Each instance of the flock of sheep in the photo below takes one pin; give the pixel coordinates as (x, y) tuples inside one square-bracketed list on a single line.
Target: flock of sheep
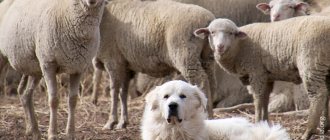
[(40, 39)]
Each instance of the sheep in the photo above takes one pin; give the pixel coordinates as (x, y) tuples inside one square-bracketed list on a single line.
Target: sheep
[(318, 6), (283, 9), (282, 97), (9, 77), (241, 12), (226, 95), (261, 53), (155, 38), (227, 90), (220, 9), (4, 5), (55, 37), (280, 9), (237, 12)]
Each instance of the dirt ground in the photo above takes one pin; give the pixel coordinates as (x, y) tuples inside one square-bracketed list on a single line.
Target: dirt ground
[(90, 119)]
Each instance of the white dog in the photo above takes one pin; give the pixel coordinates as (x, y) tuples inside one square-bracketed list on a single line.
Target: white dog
[(176, 111)]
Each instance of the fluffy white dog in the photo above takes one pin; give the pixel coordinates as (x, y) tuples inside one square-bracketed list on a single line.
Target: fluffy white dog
[(176, 111)]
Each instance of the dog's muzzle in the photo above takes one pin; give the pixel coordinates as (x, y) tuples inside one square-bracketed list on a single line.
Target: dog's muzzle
[(173, 114)]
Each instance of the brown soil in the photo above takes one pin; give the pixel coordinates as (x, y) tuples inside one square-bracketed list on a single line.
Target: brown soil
[(90, 119)]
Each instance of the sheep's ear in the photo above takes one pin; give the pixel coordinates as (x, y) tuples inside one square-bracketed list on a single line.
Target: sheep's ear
[(241, 35), (301, 6), (201, 98), (202, 32), (264, 7), (151, 99)]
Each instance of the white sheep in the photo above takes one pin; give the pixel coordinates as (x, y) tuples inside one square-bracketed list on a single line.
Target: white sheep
[(283, 9), (9, 78), (156, 38), (318, 6), (229, 87), (262, 53), (241, 12), (44, 38), (280, 10), (229, 90), (282, 97), (244, 12), (4, 6)]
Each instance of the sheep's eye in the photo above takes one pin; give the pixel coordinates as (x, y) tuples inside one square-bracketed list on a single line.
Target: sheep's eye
[(182, 96), (212, 32), (166, 97), (230, 33)]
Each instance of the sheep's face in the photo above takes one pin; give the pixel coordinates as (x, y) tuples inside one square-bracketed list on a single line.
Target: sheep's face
[(92, 3), (283, 9), (223, 35)]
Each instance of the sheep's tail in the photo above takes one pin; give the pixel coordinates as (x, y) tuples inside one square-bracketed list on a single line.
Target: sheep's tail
[(263, 131)]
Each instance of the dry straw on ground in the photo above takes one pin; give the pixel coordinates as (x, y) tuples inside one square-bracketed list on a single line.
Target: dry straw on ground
[(90, 118)]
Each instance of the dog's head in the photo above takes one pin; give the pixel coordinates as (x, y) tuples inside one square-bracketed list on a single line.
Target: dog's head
[(176, 101)]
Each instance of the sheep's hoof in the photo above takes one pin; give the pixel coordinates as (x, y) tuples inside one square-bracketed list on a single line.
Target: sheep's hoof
[(110, 125), (122, 125), (69, 137), (52, 137), (36, 136), (307, 135), (94, 101), (28, 131)]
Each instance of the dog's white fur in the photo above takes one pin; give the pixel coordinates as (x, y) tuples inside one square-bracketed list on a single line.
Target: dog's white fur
[(194, 126)]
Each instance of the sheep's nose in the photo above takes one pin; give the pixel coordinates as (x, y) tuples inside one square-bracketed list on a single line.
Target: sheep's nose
[(276, 17), (173, 106), (92, 2), (220, 48)]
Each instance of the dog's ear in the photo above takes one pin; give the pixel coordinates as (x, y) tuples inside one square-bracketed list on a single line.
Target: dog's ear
[(201, 98), (151, 98)]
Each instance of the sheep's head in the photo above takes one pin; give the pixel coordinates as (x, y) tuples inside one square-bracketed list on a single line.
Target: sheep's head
[(223, 35), (283, 9)]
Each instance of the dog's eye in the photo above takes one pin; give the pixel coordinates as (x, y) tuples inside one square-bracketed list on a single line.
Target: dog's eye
[(166, 96), (182, 96)]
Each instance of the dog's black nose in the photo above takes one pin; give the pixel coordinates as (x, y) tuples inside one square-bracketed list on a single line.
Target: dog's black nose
[(173, 106)]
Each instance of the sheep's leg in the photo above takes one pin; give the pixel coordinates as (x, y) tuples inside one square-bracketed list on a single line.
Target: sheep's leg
[(326, 107), (3, 63), (27, 102), (49, 73), (123, 98), (115, 81), (3, 69), (260, 89), (325, 116), (209, 65), (196, 75), (113, 116), (317, 93), (96, 84), (22, 84), (72, 102)]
